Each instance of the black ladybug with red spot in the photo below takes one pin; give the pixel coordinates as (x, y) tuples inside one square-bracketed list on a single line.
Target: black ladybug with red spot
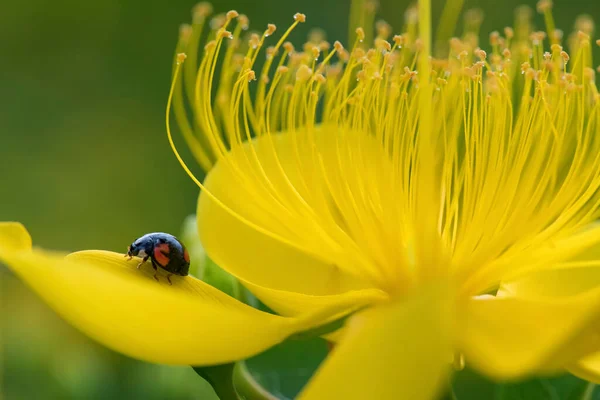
[(164, 251)]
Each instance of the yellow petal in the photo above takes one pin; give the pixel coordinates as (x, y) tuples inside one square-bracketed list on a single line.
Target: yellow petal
[(268, 228), (255, 256), (587, 368), (397, 351), (556, 282), (292, 304), (14, 237), (508, 337), (103, 295)]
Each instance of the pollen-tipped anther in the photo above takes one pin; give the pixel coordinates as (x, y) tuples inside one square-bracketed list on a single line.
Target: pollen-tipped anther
[(181, 58), (300, 17)]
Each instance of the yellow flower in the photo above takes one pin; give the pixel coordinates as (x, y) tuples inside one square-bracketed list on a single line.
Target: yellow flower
[(447, 205), (434, 181)]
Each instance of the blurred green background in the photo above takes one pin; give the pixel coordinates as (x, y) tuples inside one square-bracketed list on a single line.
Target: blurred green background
[(85, 162)]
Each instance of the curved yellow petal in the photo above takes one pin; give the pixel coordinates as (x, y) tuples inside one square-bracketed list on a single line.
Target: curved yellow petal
[(395, 351), (509, 337), (292, 304), (103, 295), (587, 368), (555, 282), (269, 230), (14, 237)]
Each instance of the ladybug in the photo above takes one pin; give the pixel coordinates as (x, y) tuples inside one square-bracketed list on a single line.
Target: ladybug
[(163, 250)]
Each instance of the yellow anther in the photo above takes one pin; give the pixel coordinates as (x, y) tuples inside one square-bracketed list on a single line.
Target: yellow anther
[(558, 34), (398, 40), (543, 6), (217, 21), (315, 52), (509, 32), (494, 36), (210, 45), (531, 73), (506, 53), (288, 88), (441, 82), (581, 35), (282, 69), (251, 75), (344, 55), (360, 76), (589, 74), (481, 54), (303, 74), (253, 41), (288, 47), (564, 56), (411, 16), (225, 35), (463, 55), (371, 6), (382, 45), (232, 14), (556, 48), (547, 56), (201, 11), (300, 17), (333, 71), (324, 45), (243, 21), (525, 66), (360, 33), (418, 44), (316, 35), (181, 58), (384, 30), (338, 46), (271, 28), (185, 31), (358, 53), (271, 52), (585, 24), (474, 17), (598, 42), (320, 78)]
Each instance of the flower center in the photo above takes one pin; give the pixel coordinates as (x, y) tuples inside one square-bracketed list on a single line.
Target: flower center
[(395, 167)]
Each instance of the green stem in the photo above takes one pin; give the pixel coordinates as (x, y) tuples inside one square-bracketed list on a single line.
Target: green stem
[(247, 386), (588, 393)]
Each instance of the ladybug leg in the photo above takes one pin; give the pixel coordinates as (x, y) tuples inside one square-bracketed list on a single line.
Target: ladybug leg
[(169, 279), (143, 261), (155, 270)]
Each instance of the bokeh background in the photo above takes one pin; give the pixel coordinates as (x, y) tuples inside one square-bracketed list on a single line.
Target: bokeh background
[(85, 164)]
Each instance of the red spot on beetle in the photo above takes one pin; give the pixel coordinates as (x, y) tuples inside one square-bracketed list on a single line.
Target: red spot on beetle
[(186, 256), (161, 252)]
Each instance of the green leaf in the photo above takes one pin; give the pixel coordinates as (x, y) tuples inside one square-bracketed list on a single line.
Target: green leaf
[(468, 385), (284, 369), (220, 378)]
